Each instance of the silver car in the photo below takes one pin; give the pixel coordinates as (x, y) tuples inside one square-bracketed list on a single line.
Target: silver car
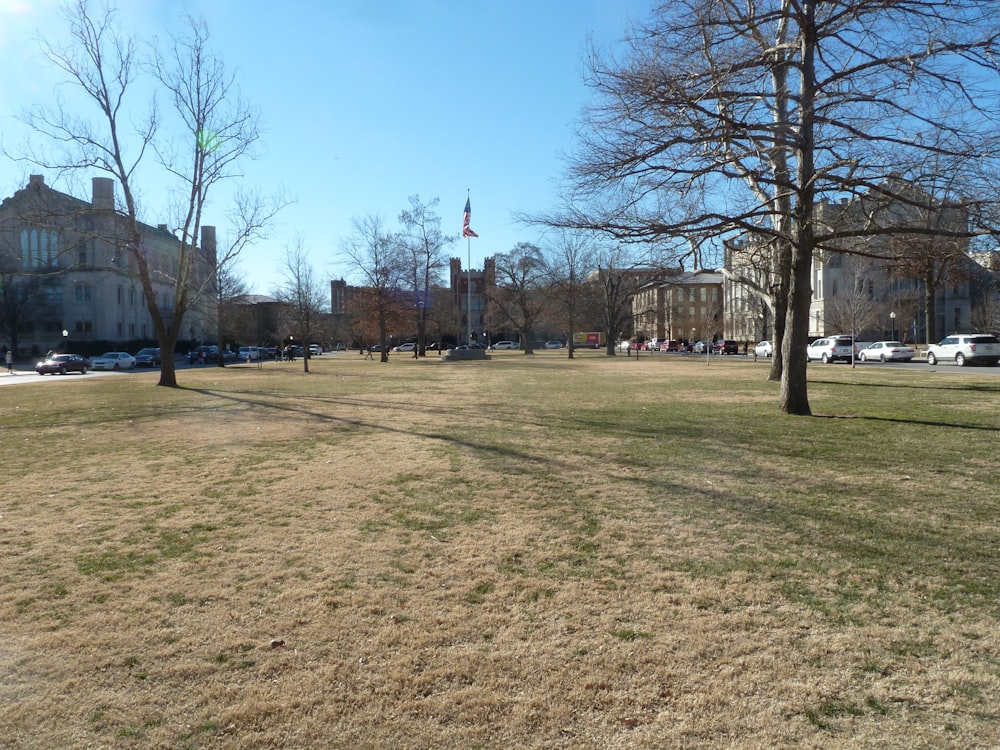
[(965, 348), (831, 349), (887, 351), (113, 361)]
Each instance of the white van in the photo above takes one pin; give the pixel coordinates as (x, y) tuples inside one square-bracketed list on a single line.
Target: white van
[(249, 353)]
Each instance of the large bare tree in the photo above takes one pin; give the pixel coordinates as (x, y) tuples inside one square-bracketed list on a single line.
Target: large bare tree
[(726, 118), (304, 297), (520, 291), (381, 262), (208, 132), (571, 260), (424, 243)]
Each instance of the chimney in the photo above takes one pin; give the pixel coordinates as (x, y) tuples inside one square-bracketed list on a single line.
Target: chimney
[(103, 193), (37, 180), (208, 243)]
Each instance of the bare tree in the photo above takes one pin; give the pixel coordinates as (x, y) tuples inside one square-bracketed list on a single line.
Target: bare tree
[(570, 262), (617, 281), (986, 315), (381, 262), (425, 244), (852, 307), (229, 288), (725, 119), (303, 295), (519, 294), (215, 131)]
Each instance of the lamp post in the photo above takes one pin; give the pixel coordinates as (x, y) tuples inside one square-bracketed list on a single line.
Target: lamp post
[(65, 341), (892, 323)]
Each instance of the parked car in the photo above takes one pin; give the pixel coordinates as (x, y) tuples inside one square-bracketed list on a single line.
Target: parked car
[(763, 349), (726, 346), (887, 351), (701, 347), (62, 364), (831, 349), (248, 354), (148, 357), (407, 347), (553, 344), (204, 353), (504, 345), (113, 361), (315, 350), (965, 348)]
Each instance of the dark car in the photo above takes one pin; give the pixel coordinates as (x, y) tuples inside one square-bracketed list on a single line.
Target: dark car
[(62, 364), (200, 354), (726, 347), (148, 357)]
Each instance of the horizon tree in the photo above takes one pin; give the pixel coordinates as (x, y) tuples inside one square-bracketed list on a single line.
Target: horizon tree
[(424, 242), (381, 262), (520, 290), (570, 260), (303, 296)]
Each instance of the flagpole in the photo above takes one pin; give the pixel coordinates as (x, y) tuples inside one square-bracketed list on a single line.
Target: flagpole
[(468, 271), (468, 234)]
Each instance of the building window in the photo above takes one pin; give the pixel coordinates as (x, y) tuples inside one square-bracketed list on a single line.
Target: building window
[(81, 255), (84, 326), (131, 297), (39, 248), (704, 294), (120, 328), (83, 293), (53, 297), (958, 318), (121, 294)]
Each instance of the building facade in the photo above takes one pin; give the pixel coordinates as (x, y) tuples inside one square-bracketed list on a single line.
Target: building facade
[(867, 282), (470, 300), (66, 273), (682, 307)]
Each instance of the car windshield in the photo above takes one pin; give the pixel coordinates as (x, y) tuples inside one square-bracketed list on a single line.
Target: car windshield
[(986, 340), (109, 355), (842, 342), (894, 343)]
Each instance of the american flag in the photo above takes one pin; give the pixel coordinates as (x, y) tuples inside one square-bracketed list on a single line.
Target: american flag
[(466, 229)]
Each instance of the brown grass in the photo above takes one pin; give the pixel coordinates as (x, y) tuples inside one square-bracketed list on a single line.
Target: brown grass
[(504, 554)]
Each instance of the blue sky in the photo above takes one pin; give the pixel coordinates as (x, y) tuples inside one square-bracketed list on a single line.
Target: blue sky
[(366, 102)]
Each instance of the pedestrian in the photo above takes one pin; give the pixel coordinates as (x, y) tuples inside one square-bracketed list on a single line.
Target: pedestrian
[(416, 351), (10, 361), (368, 354), (746, 345)]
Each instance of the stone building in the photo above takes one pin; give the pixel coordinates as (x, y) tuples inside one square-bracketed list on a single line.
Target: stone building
[(860, 285), (682, 307), (65, 273), (470, 299)]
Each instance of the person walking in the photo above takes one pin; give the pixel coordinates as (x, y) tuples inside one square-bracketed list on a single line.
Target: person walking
[(10, 361)]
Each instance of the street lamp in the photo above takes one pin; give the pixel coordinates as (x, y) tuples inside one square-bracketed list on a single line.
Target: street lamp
[(892, 319), (65, 341)]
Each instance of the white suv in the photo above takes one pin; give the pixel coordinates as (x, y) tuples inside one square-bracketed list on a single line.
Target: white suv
[(965, 348), (831, 349)]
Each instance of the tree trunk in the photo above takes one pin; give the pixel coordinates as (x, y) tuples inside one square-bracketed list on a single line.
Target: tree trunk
[(794, 398), (931, 334), (168, 370)]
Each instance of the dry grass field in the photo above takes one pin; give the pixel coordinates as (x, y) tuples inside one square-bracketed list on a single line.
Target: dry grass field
[(520, 553)]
